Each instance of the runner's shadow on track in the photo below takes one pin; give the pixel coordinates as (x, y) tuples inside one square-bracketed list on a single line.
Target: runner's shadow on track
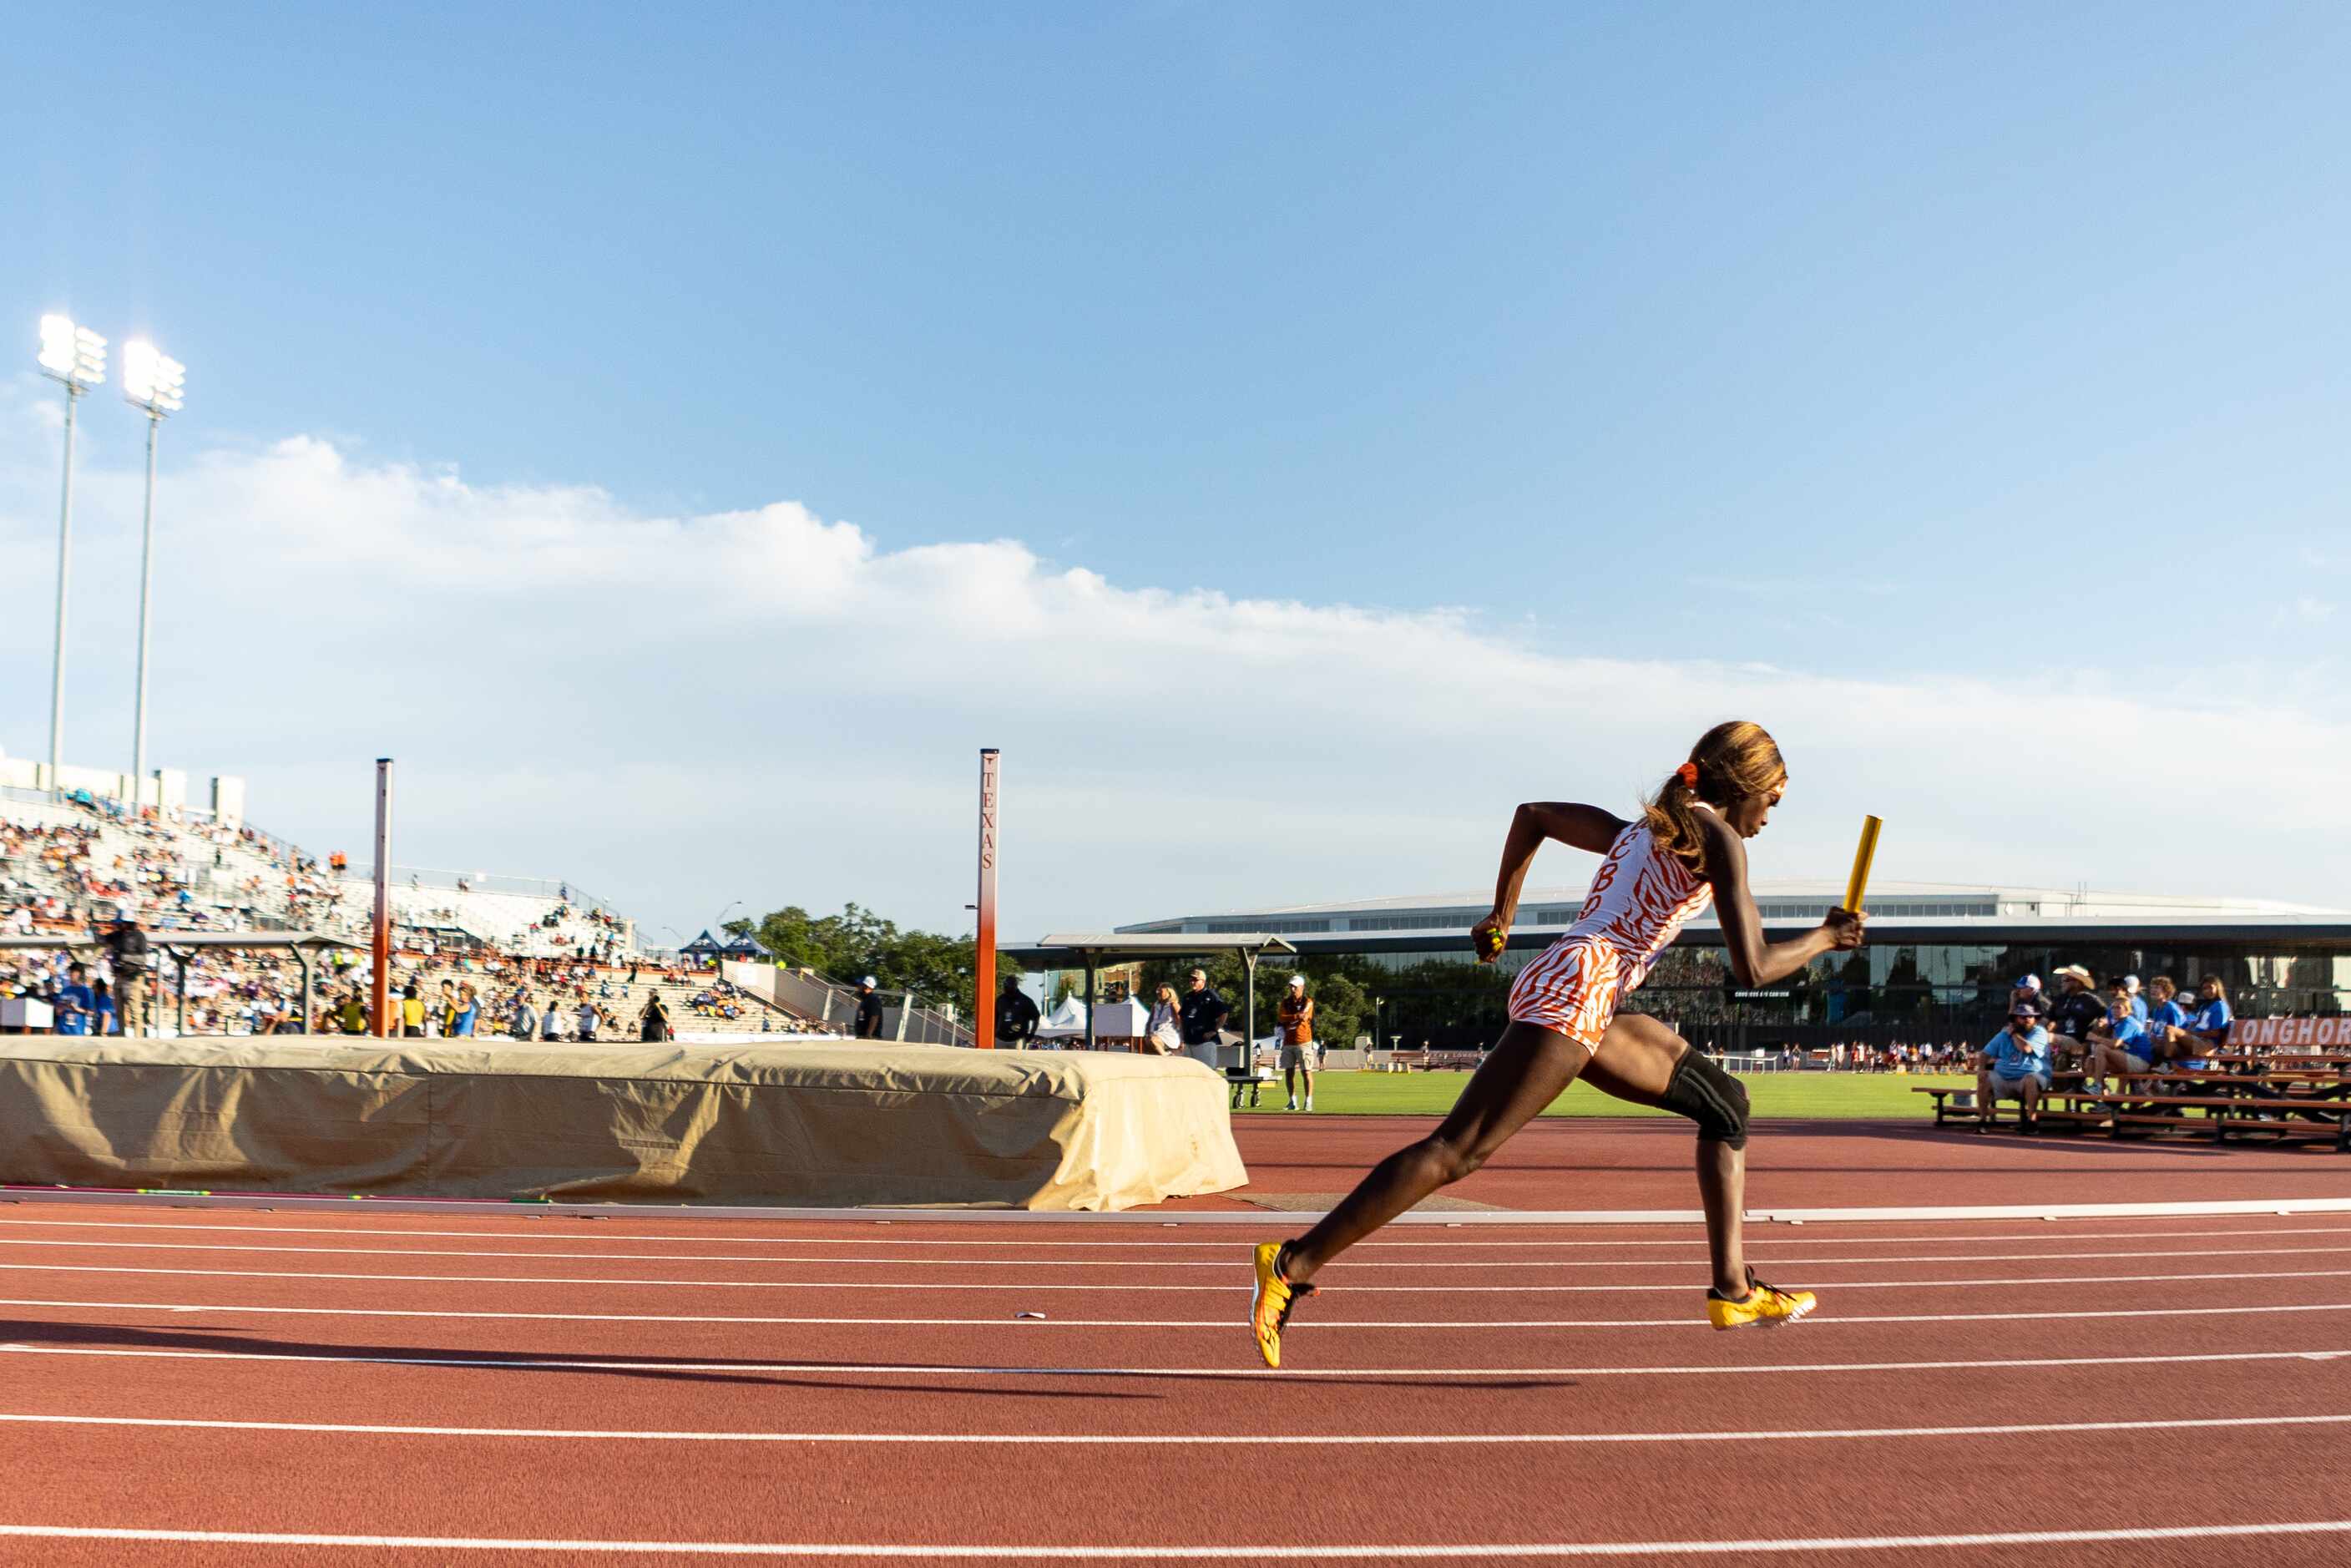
[(670, 1369)]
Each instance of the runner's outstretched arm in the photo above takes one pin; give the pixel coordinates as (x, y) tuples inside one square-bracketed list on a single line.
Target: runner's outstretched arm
[(1753, 960)]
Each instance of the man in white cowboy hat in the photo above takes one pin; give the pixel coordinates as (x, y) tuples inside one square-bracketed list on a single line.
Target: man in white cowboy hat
[(1296, 1014), (2077, 1009)]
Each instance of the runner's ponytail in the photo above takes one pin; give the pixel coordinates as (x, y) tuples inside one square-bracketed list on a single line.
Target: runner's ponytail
[(1729, 762)]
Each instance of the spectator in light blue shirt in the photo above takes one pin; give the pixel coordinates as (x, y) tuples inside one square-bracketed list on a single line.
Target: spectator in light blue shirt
[(2210, 1021), (2121, 1044), (2167, 1038), (2014, 1066)]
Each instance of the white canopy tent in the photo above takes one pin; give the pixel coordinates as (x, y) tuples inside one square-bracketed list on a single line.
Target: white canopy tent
[(1067, 1020)]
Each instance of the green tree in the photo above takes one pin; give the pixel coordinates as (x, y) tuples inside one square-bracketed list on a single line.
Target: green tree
[(938, 969)]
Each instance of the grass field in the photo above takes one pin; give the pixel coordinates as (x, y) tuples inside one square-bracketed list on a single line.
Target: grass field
[(1855, 1096)]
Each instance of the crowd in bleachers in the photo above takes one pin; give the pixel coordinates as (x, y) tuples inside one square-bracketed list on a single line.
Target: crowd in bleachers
[(72, 863)]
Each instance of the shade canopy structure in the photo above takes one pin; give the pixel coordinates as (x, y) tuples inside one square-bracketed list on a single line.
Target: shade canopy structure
[(1093, 950), (180, 945), (703, 946)]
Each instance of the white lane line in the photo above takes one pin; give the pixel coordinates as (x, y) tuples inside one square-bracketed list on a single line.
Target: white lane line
[(1226, 1263), (1693, 1245), (1273, 1552), (933, 1369), (1518, 1290), (1180, 1439), (1223, 1324)]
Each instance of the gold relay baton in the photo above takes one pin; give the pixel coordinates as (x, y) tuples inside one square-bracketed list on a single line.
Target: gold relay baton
[(1856, 886)]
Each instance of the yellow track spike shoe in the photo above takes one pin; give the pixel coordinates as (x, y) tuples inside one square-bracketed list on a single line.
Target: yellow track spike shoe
[(1270, 1303), (1765, 1304)]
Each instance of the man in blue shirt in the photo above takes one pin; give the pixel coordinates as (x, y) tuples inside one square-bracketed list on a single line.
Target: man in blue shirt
[(2014, 1065), (77, 1003)]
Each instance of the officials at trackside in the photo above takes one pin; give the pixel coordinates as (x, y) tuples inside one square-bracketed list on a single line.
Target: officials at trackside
[(1296, 1016), (1016, 1016), (130, 954), (1204, 1014), (869, 1009)]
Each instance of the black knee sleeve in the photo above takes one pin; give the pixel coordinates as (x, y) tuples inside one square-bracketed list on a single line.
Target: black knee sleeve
[(1712, 1098)]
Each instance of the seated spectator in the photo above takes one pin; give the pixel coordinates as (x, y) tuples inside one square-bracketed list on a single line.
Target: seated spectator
[(2118, 1042), (2076, 1011), (2210, 1022), (2167, 1023), (2027, 990), (2014, 1065), (2138, 1002)]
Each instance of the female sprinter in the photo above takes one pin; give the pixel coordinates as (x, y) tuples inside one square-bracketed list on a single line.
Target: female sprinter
[(1687, 850)]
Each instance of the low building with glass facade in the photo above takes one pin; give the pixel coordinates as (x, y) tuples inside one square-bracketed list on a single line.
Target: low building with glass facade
[(1939, 962)]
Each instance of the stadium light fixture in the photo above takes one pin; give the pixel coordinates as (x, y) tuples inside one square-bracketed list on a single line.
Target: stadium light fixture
[(152, 379), (152, 382), (75, 357)]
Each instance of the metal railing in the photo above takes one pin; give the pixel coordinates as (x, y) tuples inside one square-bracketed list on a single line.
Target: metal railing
[(811, 995), (557, 888)]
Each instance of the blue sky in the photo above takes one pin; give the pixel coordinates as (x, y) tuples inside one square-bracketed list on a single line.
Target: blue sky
[(1999, 345)]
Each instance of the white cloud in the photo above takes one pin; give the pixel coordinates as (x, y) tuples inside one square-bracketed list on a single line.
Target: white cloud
[(679, 711)]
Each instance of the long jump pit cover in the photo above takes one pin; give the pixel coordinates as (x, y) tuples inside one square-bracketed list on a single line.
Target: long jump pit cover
[(817, 1125)]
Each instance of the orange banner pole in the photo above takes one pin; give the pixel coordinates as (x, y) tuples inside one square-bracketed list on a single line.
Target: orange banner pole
[(983, 989), (382, 946)]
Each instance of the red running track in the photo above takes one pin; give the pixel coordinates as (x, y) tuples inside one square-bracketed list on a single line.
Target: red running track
[(1600, 1162), (376, 1387)]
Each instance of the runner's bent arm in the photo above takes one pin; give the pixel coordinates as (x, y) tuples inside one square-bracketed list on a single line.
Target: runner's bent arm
[(1755, 961), (1580, 827)]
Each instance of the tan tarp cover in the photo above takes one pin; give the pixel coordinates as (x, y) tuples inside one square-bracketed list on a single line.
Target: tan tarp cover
[(784, 1125)]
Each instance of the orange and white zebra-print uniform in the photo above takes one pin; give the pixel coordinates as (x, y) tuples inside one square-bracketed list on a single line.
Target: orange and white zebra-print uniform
[(1639, 902)]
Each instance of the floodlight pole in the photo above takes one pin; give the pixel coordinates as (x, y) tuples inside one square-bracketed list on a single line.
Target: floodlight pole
[(382, 944), (146, 586), (983, 976), (65, 570)]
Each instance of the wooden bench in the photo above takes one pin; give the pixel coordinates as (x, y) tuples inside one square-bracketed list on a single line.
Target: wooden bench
[(1957, 1103), (2196, 1102), (1433, 1060)]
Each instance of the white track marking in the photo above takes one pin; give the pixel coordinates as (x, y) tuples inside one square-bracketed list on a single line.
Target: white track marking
[(1221, 1324), (1217, 1374), (1121, 1288), (1274, 1552), (1692, 1245), (1222, 1263), (1181, 1439)]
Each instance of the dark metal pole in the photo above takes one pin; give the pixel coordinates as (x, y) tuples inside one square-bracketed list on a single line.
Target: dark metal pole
[(303, 959), (1091, 960)]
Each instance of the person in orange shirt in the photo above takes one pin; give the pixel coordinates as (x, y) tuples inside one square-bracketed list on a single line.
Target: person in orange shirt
[(1298, 1048)]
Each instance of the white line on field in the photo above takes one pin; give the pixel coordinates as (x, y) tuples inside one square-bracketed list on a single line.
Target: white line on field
[(1180, 1439), (1516, 1290), (934, 1369), (1030, 1325), (1274, 1552), (1224, 1263)]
